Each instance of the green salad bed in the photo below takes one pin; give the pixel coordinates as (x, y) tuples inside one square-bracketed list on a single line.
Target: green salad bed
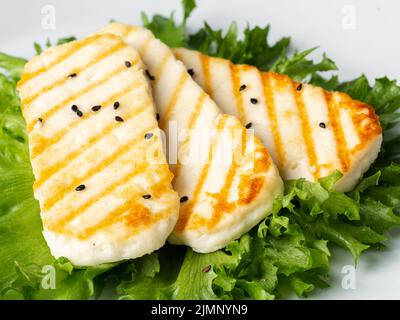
[(287, 252)]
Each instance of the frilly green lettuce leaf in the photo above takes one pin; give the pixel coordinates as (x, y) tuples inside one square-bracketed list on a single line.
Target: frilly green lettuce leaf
[(288, 250), (166, 29), (12, 66), (250, 47)]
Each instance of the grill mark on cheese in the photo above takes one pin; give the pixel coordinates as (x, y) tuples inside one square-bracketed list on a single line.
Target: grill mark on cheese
[(196, 111), (306, 130), (356, 119), (74, 47), (58, 225), (249, 187), (235, 78), (161, 67), (126, 32), (50, 171), (78, 94), (178, 55), (130, 30), (186, 209), (136, 216), (123, 31), (205, 64), (365, 133), (39, 146), (96, 59), (122, 150), (144, 47), (194, 116), (174, 98), (334, 120), (222, 204), (274, 125)]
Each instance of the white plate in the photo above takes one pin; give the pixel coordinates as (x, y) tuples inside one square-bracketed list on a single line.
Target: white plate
[(360, 36)]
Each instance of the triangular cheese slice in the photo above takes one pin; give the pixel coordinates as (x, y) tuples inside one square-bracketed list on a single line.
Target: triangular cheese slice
[(223, 173), (309, 131)]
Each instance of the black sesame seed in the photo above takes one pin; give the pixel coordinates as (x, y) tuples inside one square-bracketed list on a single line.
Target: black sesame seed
[(242, 87), (183, 199), (96, 108), (191, 72), (74, 108), (80, 187), (79, 113), (299, 87), (40, 120), (158, 116), (149, 75), (147, 196), (206, 269), (128, 64), (248, 126), (119, 119), (253, 100), (148, 135), (116, 105), (72, 75), (322, 125)]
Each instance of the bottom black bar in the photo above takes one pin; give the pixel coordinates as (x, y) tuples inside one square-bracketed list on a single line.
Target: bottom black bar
[(247, 309)]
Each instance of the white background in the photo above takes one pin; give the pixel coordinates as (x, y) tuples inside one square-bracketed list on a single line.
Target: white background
[(372, 47)]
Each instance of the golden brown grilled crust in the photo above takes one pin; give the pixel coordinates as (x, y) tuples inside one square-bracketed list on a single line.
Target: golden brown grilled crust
[(251, 184)]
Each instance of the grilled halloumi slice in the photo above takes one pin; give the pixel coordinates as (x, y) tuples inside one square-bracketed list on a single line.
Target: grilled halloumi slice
[(101, 177), (230, 185), (310, 132)]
